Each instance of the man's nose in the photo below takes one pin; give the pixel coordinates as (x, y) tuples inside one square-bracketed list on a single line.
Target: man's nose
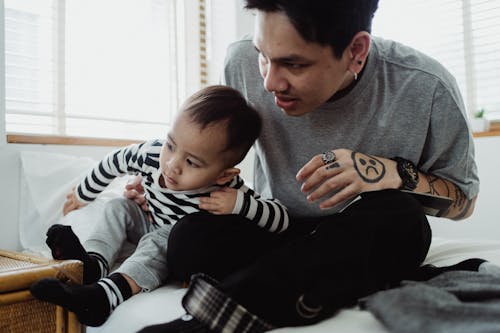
[(273, 79)]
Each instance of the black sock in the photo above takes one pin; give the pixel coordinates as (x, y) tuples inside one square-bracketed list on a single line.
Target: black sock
[(64, 244), (92, 303), (185, 324), (88, 302), (116, 288), (429, 271)]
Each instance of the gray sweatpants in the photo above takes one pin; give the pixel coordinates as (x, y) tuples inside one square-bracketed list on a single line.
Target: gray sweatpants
[(123, 220)]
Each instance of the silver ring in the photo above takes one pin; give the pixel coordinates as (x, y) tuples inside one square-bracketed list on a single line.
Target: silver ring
[(305, 311), (328, 157)]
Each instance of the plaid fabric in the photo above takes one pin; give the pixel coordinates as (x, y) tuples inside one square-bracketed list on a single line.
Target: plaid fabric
[(217, 310)]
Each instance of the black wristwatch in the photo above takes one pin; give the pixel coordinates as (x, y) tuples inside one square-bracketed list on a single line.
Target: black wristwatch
[(408, 173)]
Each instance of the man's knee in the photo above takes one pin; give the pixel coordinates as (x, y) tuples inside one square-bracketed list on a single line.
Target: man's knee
[(190, 224), (407, 225), (188, 243), (392, 200)]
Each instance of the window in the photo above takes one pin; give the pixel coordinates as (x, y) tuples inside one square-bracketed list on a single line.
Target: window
[(464, 35), (222, 29), (100, 68)]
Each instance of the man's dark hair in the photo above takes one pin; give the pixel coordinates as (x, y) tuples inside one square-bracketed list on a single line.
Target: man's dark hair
[(215, 104), (326, 22)]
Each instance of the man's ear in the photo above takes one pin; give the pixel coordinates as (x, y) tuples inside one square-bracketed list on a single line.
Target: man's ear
[(227, 175), (358, 49)]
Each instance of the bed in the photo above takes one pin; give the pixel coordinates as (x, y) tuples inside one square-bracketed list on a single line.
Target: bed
[(39, 211), (164, 304)]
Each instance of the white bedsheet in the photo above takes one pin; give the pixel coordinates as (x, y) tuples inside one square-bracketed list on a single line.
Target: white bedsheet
[(164, 304)]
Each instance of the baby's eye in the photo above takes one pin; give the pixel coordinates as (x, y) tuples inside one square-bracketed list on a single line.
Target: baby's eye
[(170, 146), (192, 164)]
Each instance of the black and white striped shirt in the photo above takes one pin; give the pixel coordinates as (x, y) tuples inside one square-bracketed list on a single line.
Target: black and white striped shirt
[(167, 206)]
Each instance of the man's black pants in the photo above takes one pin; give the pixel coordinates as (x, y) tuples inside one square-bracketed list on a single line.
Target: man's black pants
[(319, 266)]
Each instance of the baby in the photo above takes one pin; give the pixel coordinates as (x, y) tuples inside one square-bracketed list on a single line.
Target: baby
[(193, 170)]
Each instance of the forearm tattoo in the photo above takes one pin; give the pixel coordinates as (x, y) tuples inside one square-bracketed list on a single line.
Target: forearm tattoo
[(436, 182), (460, 202), (370, 169)]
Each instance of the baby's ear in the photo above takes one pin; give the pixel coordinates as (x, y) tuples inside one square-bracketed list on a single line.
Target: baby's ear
[(227, 175)]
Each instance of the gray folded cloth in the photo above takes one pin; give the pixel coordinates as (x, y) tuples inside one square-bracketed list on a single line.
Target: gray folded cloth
[(454, 301)]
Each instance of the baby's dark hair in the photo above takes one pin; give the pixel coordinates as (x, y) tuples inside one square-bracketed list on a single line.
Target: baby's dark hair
[(326, 22), (215, 104)]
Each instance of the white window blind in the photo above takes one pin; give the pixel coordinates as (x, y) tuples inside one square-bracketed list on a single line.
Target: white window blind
[(99, 68), (464, 35), (227, 21), (221, 24)]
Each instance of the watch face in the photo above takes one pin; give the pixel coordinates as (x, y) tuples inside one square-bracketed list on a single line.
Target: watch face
[(408, 173), (411, 172), (411, 179)]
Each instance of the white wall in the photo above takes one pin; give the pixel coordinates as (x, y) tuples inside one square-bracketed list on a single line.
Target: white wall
[(485, 221)]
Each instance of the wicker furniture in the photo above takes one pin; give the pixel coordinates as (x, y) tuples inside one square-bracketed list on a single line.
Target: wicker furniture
[(19, 311)]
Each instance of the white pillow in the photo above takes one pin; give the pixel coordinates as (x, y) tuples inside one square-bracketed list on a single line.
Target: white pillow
[(46, 178)]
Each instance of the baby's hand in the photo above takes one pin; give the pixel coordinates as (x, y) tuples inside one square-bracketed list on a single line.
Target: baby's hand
[(220, 202), (135, 191), (72, 203)]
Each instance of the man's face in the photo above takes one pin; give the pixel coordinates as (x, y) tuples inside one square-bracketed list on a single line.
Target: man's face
[(302, 75)]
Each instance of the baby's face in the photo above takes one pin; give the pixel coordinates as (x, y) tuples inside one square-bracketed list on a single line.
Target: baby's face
[(192, 157)]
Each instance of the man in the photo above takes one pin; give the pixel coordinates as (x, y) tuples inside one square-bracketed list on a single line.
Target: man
[(386, 117)]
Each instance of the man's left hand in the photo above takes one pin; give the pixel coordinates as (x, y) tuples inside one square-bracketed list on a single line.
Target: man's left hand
[(349, 174)]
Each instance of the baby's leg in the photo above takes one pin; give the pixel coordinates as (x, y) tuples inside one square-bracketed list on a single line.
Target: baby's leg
[(92, 303), (122, 220), (146, 268), (64, 244)]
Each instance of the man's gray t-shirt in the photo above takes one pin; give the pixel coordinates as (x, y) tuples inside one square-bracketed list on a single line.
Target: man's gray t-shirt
[(405, 104)]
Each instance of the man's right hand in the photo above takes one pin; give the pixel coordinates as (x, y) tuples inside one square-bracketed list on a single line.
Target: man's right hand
[(135, 191)]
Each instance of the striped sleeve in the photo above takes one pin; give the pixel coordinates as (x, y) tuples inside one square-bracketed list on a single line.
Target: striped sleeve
[(269, 214), (122, 161)]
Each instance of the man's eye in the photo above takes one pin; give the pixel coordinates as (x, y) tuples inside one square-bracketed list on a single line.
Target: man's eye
[(295, 66), (170, 146)]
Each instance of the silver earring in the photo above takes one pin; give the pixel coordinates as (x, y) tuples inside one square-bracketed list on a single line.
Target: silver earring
[(355, 76)]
